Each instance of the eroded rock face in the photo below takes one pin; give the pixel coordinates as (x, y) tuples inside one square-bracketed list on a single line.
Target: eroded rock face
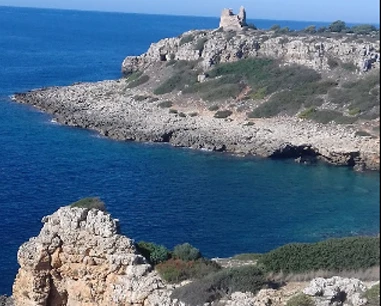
[(337, 291), (79, 258), (6, 301), (220, 47)]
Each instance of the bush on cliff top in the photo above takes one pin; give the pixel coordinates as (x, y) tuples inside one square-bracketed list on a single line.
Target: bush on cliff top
[(177, 270), (216, 285), (186, 252), (352, 253), (300, 300), (139, 81), (153, 252), (184, 74), (91, 202)]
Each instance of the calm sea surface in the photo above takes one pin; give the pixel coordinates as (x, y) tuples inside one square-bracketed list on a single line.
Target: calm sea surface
[(221, 204)]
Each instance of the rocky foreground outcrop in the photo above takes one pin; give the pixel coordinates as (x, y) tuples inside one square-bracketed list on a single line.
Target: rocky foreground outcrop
[(80, 259)]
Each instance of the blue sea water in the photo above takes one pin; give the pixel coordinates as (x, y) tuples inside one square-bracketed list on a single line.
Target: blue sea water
[(223, 205)]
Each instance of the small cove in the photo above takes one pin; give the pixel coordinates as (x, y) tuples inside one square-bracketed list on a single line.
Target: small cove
[(222, 204)]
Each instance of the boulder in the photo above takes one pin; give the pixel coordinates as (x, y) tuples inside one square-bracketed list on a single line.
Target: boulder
[(79, 258), (337, 291)]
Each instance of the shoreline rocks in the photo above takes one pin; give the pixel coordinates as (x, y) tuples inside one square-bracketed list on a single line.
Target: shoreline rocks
[(113, 110)]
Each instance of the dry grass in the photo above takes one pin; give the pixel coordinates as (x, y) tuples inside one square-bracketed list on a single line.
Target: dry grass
[(370, 274)]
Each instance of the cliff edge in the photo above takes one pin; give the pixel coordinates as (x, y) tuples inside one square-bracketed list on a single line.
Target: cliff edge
[(79, 258)]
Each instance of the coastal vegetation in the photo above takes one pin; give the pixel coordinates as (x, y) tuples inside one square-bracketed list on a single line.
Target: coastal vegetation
[(373, 295), (218, 284), (348, 256), (290, 90), (90, 202), (136, 79), (352, 253), (300, 299), (223, 114), (337, 26)]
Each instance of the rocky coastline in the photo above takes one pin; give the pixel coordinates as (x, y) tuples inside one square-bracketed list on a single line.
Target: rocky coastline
[(118, 110), (112, 109)]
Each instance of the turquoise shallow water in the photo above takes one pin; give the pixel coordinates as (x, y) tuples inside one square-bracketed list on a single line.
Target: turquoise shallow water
[(221, 204)]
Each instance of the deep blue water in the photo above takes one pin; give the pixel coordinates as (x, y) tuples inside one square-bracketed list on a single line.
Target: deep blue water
[(221, 204)]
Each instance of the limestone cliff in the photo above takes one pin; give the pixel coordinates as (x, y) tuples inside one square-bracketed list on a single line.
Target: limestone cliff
[(233, 41), (79, 258)]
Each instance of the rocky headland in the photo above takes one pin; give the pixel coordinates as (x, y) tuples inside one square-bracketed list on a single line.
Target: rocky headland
[(163, 96), (81, 259)]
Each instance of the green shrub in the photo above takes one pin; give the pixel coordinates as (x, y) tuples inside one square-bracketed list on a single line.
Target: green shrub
[(186, 39), (153, 99), (165, 104), (169, 85), (154, 253), (258, 94), (362, 94), (345, 119), (139, 81), (184, 74), (133, 76), (216, 285), (373, 295), (177, 270), (91, 202), (333, 62), (352, 253), (300, 299), (247, 256), (290, 101), (186, 252), (213, 108), (306, 114), (140, 98), (363, 29), (362, 134), (349, 66), (275, 27), (222, 92), (337, 26), (322, 29), (327, 116), (310, 29), (354, 111), (223, 114), (284, 30)]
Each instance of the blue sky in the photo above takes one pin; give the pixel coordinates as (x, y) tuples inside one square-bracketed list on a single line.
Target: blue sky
[(364, 11)]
